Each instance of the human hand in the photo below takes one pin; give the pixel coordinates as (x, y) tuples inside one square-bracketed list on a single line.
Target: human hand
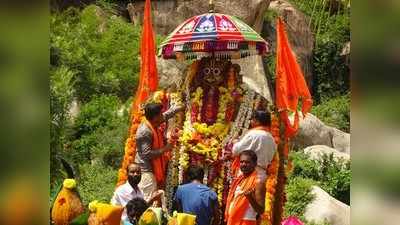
[(157, 194)]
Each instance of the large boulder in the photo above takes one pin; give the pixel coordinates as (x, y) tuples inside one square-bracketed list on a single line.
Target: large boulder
[(170, 72), (325, 208), (316, 152), (299, 32), (313, 131), (168, 14)]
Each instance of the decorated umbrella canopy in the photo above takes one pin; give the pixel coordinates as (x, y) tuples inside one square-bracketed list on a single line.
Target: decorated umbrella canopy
[(213, 34)]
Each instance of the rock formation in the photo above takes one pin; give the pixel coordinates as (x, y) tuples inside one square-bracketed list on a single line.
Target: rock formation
[(325, 208), (300, 34), (169, 14), (316, 152), (313, 131)]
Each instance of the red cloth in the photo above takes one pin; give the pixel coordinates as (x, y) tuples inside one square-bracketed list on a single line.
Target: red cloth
[(290, 84), (148, 80)]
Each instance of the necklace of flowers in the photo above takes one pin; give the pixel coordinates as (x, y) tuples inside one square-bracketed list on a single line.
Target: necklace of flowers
[(214, 133), (244, 114)]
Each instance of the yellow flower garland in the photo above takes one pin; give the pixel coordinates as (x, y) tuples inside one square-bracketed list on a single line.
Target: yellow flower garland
[(212, 135)]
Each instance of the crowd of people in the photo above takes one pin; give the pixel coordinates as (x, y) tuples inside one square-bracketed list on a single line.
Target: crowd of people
[(245, 202)]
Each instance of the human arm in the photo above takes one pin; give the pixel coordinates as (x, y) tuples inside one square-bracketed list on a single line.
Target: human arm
[(172, 111), (155, 196), (256, 197)]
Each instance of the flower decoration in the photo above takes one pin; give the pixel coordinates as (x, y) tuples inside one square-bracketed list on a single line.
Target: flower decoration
[(69, 183)]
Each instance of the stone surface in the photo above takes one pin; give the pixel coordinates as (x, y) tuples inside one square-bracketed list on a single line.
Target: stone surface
[(326, 208), (299, 33), (170, 72), (341, 140), (168, 14), (316, 152), (313, 131)]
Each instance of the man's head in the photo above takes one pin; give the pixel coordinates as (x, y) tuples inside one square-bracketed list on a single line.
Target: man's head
[(195, 173), (248, 162), (135, 208), (152, 112), (261, 118), (134, 174)]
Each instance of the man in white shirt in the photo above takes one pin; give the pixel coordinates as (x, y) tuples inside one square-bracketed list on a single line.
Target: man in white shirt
[(130, 190), (259, 140)]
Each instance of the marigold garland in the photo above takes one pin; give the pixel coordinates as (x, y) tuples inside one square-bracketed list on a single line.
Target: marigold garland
[(130, 148), (272, 177)]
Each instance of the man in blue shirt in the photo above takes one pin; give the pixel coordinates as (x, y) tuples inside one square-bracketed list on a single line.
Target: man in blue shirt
[(197, 199)]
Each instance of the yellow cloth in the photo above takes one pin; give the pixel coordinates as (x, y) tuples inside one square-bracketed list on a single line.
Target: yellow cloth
[(185, 219), (182, 219), (107, 214)]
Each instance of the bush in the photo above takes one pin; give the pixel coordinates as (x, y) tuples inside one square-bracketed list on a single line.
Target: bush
[(335, 112), (102, 50), (298, 194), (96, 182), (61, 93), (332, 176), (101, 111), (100, 132)]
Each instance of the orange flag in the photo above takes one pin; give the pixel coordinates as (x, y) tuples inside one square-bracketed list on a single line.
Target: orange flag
[(290, 84), (148, 80), (148, 83)]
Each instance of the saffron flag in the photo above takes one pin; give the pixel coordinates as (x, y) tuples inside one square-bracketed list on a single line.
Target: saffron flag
[(148, 80), (290, 83)]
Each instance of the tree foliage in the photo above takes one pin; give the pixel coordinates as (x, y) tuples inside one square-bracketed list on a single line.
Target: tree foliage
[(335, 112), (100, 49)]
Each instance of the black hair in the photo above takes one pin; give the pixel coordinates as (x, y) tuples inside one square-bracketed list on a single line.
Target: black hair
[(195, 173), (151, 110), (136, 206), (251, 154), (263, 117)]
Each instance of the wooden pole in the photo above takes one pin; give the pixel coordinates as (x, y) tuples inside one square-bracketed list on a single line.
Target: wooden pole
[(280, 186)]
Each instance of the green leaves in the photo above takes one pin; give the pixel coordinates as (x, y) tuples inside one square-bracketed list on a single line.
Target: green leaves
[(100, 48), (335, 112), (96, 182), (331, 175), (298, 194)]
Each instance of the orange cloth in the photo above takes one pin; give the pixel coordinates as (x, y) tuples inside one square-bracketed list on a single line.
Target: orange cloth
[(241, 204), (290, 83), (159, 164)]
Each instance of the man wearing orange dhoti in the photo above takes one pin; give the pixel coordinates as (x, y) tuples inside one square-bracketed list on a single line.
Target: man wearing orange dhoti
[(247, 193)]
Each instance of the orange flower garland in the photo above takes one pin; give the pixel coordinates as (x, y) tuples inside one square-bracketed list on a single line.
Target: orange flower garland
[(130, 148)]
